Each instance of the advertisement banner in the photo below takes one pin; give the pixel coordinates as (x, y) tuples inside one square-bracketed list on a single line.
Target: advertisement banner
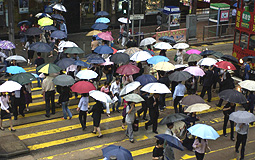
[(175, 19), (224, 15), (23, 6), (1, 7), (179, 35)]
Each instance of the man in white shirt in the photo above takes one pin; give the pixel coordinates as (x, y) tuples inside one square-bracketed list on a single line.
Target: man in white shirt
[(179, 92), (242, 131), (115, 90)]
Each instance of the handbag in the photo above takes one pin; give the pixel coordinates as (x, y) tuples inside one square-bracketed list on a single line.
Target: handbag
[(135, 125)]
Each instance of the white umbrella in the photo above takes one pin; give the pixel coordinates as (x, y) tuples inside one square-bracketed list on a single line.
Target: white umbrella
[(163, 45), (181, 46), (86, 74), (17, 58), (197, 107), (130, 87), (177, 66), (207, 62), (156, 87), (123, 20), (10, 86), (248, 84), (121, 51), (140, 56), (100, 96), (67, 44), (3, 55), (133, 98), (242, 117), (147, 41), (59, 7), (40, 14)]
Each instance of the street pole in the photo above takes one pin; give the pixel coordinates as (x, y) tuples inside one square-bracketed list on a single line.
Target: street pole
[(128, 19), (11, 21), (133, 9)]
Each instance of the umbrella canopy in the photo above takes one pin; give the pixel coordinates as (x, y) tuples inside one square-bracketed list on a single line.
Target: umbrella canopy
[(86, 74), (67, 44), (123, 20), (193, 51), (252, 58), (150, 51), (171, 141), (230, 58), (41, 47), (23, 78), (17, 58), (48, 68), (102, 13), (33, 31), (191, 99), (242, 117), (107, 62), (157, 59), (129, 88), (206, 52), (247, 84), (74, 50), (193, 58), (45, 21), (128, 69), (103, 49), (145, 79), (83, 87), (15, 70), (217, 54), (59, 7), (203, 131), (163, 45), (133, 97), (23, 22), (156, 87), (10, 86), (95, 59), (58, 34), (207, 62), (179, 76), (99, 26), (197, 107), (195, 71), (147, 41), (102, 20), (93, 33), (100, 96), (140, 56), (225, 65), (41, 15), (180, 66), (119, 152), (181, 46), (171, 118), (58, 17), (130, 51), (7, 45), (233, 96), (63, 80), (81, 63), (65, 62), (120, 58), (167, 39), (105, 36), (3, 55), (164, 66)]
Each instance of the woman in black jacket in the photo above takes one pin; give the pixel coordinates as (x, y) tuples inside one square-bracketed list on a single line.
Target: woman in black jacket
[(97, 110), (64, 99)]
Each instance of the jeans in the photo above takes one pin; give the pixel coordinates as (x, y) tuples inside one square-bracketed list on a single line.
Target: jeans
[(38, 81), (66, 110), (109, 77), (118, 105), (241, 138), (50, 98), (162, 100), (176, 102), (83, 118)]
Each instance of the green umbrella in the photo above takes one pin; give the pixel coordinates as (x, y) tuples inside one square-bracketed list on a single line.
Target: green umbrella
[(63, 80), (48, 68), (194, 58), (74, 50), (23, 78), (133, 97), (217, 54)]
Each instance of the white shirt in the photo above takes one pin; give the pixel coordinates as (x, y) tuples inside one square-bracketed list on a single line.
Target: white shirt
[(243, 130), (234, 12), (71, 68), (179, 90), (4, 102), (115, 88), (17, 94), (83, 104)]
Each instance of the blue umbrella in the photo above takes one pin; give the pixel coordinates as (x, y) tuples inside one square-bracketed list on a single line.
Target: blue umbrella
[(99, 26), (206, 52), (235, 5), (58, 34), (97, 38), (15, 70), (171, 141), (58, 17), (22, 22), (41, 47), (102, 13), (103, 49), (203, 131), (102, 20), (95, 59), (156, 59), (167, 39), (49, 28), (145, 79), (119, 152), (83, 64)]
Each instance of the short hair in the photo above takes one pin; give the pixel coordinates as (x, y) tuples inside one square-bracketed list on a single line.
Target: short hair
[(39, 53), (160, 141), (94, 38), (117, 79), (169, 124)]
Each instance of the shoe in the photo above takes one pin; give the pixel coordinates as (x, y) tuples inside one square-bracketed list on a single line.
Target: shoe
[(48, 116), (217, 105), (155, 132), (241, 158), (208, 100), (2, 128), (27, 109), (232, 139), (94, 132), (70, 118), (146, 126), (23, 115), (53, 113), (138, 115), (83, 128), (131, 141), (63, 118), (237, 151), (15, 118), (162, 110), (13, 130), (225, 135), (100, 136)]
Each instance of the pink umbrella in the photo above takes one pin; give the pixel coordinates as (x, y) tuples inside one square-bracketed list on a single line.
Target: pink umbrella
[(105, 36), (193, 51), (107, 62), (195, 71)]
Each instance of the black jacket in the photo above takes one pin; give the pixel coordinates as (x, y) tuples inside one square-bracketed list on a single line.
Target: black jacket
[(208, 78)]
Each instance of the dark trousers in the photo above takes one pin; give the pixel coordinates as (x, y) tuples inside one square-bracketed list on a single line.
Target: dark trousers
[(207, 89), (18, 103), (162, 101), (226, 118), (50, 98), (176, 102), (154, 122), (83, 118), (199, 156), (143, 109), (220, 102), (241, 139)]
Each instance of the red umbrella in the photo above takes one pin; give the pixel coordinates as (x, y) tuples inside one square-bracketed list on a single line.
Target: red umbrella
[(225, 65), (83, 87), (128, 69), (114, 50)]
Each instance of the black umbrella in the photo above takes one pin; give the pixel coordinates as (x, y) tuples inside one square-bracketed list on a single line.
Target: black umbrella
[(217, 54), (65, 62), (229, 58), (41, 47), (58, 34), (252, 58), (232, 96), (58, 17), (33, 31), (192, 99), (178, 76), (95, 59), (206, 52), (23, 78), (167, 39), (173, 118), (120, 58), (49, 28)]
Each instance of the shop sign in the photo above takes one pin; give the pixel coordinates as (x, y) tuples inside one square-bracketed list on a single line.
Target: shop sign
[(137, 17), (246, 17), (178, 35), (238, 19), (23, 6), (224, 15)]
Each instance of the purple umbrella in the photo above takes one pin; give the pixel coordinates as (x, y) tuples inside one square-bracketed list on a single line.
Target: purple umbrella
[(6, 45)]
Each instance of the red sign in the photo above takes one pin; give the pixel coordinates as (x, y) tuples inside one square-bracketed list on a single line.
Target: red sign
[(224, 15)]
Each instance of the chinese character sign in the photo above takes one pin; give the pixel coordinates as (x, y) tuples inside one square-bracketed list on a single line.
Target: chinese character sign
[(23, 6), (178, 35)]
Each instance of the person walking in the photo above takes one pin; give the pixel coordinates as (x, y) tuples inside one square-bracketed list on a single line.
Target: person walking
[(48, 92), (242, 132), (97, 110), (158, 151), (251, 101), (83, 109), (28, 95), (94, 44), (179, 54), (39, 61), (191, 85), (144, 108), (130, 118), (227, 110), (19, 101), (207, 83), (106, 90), (179, 92), (115, 90), (5, 111), (65, 94), (30, 53), (62, 26), (200, 145), (247, 69), (164, 80)]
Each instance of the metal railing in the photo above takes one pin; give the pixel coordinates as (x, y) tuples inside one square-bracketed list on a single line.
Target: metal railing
[(218, 31)]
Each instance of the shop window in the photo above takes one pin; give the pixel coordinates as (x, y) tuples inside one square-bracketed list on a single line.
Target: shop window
[(153, 6), (244, 40), (252, 42), (237, 36)]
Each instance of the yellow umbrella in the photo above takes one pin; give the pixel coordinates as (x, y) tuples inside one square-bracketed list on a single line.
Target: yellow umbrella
[(198, 107), (164, 66), (45, 21), (92, 33), (48, 68)]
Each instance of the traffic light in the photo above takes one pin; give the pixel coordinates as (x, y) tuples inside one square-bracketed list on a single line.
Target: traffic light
[(124, 7)]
